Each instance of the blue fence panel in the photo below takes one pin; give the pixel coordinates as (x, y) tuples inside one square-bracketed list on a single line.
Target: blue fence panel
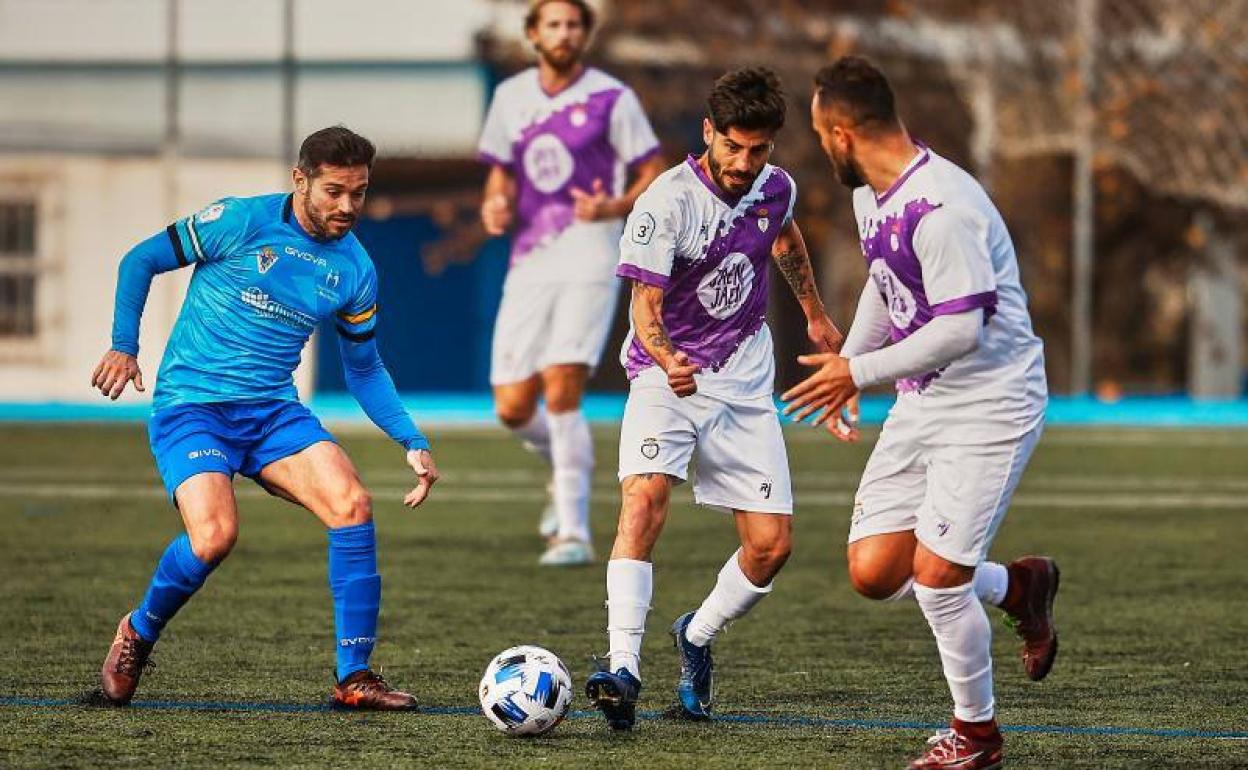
[(433, 330)]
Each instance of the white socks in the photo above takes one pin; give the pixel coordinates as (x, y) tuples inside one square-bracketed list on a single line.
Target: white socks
[(572, 454), (535, 434), (964, 639), (630, 584), (991, 582), (732, 597)]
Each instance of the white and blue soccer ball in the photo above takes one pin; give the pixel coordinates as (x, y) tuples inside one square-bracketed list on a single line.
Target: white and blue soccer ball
[(526, 690)]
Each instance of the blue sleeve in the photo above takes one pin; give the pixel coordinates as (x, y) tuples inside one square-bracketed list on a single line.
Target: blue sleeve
[(214, 232), (371, 385), (157, 254), (366, 375)]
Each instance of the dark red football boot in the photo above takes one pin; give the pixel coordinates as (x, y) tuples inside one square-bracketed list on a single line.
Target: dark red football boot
[(1029, 603)]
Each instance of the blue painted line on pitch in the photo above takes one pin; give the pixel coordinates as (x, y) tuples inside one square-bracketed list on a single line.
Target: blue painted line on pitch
[(477, 409), (742, 719)]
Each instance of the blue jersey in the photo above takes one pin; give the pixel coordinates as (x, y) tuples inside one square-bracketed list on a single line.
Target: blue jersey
[(261, 286)]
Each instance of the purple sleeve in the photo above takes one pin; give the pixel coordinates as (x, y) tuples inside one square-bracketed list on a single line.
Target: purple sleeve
[(642, 275), (986, 300), (492, 160)]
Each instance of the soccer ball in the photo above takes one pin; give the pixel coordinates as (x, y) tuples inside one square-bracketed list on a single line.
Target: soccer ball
[(526, 690)]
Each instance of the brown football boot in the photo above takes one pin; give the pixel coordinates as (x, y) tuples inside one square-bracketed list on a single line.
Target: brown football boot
[(367, 690), (1029, 603), (124, 664)]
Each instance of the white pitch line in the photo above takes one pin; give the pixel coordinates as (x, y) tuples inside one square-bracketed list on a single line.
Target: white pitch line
[(452, 494)]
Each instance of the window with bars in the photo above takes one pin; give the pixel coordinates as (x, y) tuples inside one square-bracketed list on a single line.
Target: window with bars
[(19, 269)]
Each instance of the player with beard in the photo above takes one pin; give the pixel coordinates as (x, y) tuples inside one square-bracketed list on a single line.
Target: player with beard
[(268, 270), (699, 357), (562, 139), (944, 289)]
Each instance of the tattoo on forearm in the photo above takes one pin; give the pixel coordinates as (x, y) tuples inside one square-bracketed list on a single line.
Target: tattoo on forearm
[(652, 333), (794, 265), (656, 335)]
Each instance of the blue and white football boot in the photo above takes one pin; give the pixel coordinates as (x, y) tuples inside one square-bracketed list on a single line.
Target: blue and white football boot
[(694, 690), (615, 695)]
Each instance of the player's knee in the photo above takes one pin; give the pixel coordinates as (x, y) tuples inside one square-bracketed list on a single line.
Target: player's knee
[(766, 557), (563, 396), (514, 414), (213, 540), (563, 386), (355, 506), (874, 581), (642, 513)]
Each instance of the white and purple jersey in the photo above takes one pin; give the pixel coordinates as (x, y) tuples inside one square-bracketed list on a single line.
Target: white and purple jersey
[(709, 252), (936, 245), (594, 130)]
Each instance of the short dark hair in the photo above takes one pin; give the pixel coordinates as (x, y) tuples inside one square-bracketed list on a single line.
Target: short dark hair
[(535, 13), (335, 146), (856, 86), (750, 98)]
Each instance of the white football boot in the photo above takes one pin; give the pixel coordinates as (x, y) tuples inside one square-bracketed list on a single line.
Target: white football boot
[(567, 553)]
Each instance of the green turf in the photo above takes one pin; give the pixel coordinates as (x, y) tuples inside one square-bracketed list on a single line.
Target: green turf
[(1153, 613)]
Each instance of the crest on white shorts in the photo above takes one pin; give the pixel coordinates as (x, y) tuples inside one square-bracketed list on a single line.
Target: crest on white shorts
[(650, 448)]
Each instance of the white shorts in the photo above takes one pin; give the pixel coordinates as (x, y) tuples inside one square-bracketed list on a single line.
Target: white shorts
[(543, 324), (741, 461), (953, 496)]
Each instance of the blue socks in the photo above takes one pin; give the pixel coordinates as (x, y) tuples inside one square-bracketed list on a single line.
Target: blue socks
[(353, 581), (356, 587), (178, 576)]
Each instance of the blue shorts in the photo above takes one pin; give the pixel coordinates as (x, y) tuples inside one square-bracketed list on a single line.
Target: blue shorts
[(240, 437)]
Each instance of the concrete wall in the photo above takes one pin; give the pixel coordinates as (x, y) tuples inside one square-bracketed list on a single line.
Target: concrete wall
[(91, 211)]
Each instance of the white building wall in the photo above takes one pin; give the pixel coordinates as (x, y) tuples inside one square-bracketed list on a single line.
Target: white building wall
[(84, 126), (92, 210)]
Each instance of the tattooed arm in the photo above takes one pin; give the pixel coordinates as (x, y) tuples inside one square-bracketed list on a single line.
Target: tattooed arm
[(793, 261), (646, 311)]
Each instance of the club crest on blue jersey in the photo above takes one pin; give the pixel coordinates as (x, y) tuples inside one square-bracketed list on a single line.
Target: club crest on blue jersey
[(265, 259)]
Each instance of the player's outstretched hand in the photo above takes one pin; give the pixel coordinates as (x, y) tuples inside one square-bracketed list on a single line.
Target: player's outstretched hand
[(845, 426), (680, 375), (496, 214), (115, 370), (824, 334), (829, 388), (591, 206), (422, 463)]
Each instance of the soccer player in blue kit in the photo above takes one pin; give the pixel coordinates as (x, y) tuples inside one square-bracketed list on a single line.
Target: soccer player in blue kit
[(268, 270)]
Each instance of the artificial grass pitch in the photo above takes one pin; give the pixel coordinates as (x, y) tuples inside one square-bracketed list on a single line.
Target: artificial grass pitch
[(1148, 527)]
